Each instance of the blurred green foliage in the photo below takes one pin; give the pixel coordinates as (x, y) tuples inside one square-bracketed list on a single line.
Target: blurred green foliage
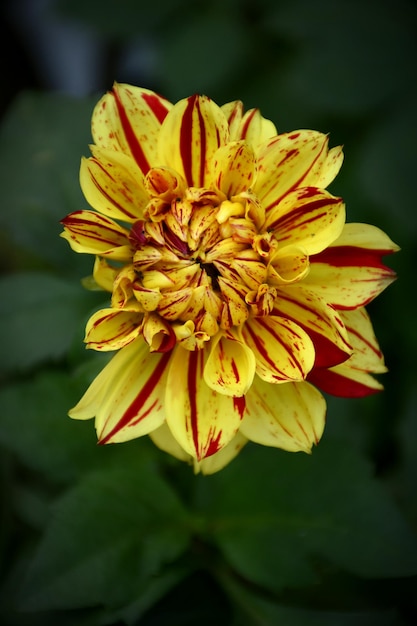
[(126, 535)]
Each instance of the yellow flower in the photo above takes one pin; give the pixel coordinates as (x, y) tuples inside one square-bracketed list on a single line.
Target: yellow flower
[(235, 282)]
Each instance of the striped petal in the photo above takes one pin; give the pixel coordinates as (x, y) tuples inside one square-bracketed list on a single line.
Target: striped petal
[(321, 322), (190, 135), (283, 350), (110, 188), (234, 168), (163, 439), (112, 329), (350, 273), (201, 420), (330, 168), (218, 461), (128, 119), (344, 381), (289, 161), (308, 217), (126, 398), (230, 368), (92, 233), (367, 355), (256, 129), (290, 416)]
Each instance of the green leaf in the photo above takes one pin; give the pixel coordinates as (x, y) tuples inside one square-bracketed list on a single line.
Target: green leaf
[(35, 426), (253, 609), (108, 537), (39, 317), (42, 140), (276, 516)]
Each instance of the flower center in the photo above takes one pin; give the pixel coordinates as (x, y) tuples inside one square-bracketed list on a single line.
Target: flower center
[(202, 262)]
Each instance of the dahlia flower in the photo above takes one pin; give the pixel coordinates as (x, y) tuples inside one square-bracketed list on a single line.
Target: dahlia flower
[(237, 288)]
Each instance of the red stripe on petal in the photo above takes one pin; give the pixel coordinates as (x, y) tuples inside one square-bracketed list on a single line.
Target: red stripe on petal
[(279, 339), (353, 256), (186, 136), (131, 138), (156, 105), (336, 385), (132, 415)]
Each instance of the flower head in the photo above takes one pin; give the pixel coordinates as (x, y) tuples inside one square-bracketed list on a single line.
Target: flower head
[(235, 283)]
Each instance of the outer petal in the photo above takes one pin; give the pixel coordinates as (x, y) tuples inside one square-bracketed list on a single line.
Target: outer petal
[(344, 381), (350, 273), (331, 167), (309, 217), (127, 395), (190, 135), (109, 187), (234, 168), (230, 368), (218, 461), (111, 329), (367, 355), (128, 119), (289, 161), (92, 233), (321, 322), (283, 350), (256, 129), (290, 416), (201, 420), (163, 439)]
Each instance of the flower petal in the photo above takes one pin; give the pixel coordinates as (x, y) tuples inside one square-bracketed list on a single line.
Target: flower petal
[(256, 129), (163, 439), (289, 161), (111, 329), (282, 349), (218, 461), (321, 322), (234, 168), (109, 187), (128, 119), (289, 416), (251, 126), (92, 233), (127, 396), (308, 217), (367, 355), (230, 368), (190, 135), (344, 381), (350, 272), (201, 420)]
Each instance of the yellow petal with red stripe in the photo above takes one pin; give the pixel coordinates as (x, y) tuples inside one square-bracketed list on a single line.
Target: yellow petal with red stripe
[(283, 350), (190, 135), (307, 217), (92, 233), (344, 381), (230, 368), (111, 329), (234, 168), (287, 162), (367, 355), (110, 188), (126, 398), (128, 119), (202, 420), (290, 416), (350, 272), (323, 324)]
